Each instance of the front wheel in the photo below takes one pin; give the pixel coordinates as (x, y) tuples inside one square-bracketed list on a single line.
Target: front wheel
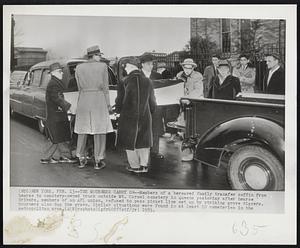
[(255, 168)]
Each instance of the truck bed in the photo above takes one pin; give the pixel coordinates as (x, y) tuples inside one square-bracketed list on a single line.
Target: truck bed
[(206, 113)]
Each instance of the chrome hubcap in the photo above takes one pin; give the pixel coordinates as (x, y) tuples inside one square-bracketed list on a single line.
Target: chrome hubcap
[(254, 174)]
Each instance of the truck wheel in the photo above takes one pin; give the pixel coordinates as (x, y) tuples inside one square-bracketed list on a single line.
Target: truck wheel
[(255, 168), (41, 124)]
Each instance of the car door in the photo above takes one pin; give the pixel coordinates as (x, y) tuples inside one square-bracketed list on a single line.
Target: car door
[(16, 95), (39, 96), (28, 92)]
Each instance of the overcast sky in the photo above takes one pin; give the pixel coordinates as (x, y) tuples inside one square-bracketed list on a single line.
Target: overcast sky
[(69, 36)]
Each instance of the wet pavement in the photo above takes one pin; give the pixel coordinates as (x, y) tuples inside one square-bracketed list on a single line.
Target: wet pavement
[(27, 144)]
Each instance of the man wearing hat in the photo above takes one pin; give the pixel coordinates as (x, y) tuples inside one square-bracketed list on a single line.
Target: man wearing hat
[(193, 87), (93, 107), (162, 69), (274, 81), (136, 103), (147, 67), (57, 122), (224, 85), (193, 80), (157, 117)]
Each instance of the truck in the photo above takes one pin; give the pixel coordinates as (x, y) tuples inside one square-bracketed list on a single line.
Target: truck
[(246, 135)]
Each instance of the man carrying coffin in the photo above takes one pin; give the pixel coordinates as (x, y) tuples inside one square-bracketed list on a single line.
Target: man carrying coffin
[(136, 103)]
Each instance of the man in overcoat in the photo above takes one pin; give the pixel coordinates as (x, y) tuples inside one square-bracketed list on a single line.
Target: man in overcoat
[(157, 121), (193, 80), (275, 78), (210, 72), (224, 85), (93, 107), (57, 123), (246, 74), (136, 103)]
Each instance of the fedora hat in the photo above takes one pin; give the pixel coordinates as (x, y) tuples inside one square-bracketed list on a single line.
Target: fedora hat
[(188, 62), (132, 60), (147, 58), (55, 66), (93, 50)]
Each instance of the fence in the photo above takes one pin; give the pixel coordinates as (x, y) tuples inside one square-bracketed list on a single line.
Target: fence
[(257, 58)]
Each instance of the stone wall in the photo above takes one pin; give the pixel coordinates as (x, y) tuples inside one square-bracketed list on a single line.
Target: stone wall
[(268, 32)]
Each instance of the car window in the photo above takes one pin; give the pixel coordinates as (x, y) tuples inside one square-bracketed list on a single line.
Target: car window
[(46, 76), (17, 76), (36, 77), (27, 79)]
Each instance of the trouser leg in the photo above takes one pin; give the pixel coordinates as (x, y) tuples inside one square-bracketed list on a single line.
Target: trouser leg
[(99, 146), (155, 147), (81, 142), (133, 158), (49, 150), (64, 150), (143, 154), (171, 130)]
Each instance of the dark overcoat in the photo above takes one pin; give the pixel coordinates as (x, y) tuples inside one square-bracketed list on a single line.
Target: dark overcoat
[(209, 73), (277, 82), (227, 90), (57, 121), (166, 74), (135, 102), (155, 75), (157, 117)]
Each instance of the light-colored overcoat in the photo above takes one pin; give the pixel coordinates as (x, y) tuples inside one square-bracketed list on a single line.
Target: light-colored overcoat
[(246, 77), (193, 84), (92, 116)]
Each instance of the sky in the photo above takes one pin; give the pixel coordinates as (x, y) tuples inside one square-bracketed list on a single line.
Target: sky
[(69, 36)]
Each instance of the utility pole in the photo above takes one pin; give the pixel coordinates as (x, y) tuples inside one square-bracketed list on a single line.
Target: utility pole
[(12, 45)]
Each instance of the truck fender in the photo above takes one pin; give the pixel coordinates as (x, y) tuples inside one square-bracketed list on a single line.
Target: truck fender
[(246, 130)]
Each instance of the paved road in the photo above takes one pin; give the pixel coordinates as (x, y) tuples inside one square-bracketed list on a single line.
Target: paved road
[(26, 150)]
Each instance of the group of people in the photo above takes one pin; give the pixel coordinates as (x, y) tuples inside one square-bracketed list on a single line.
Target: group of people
[(140, 124)]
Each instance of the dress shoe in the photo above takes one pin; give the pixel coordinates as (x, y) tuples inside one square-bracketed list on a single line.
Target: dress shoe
[(49, 161), (68, 160), (157, 156), (130, 169), (83, 162), (100, 165), (142, 169)]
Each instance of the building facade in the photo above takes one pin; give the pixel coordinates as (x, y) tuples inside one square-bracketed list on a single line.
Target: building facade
[(25, 57), (232, 37)]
